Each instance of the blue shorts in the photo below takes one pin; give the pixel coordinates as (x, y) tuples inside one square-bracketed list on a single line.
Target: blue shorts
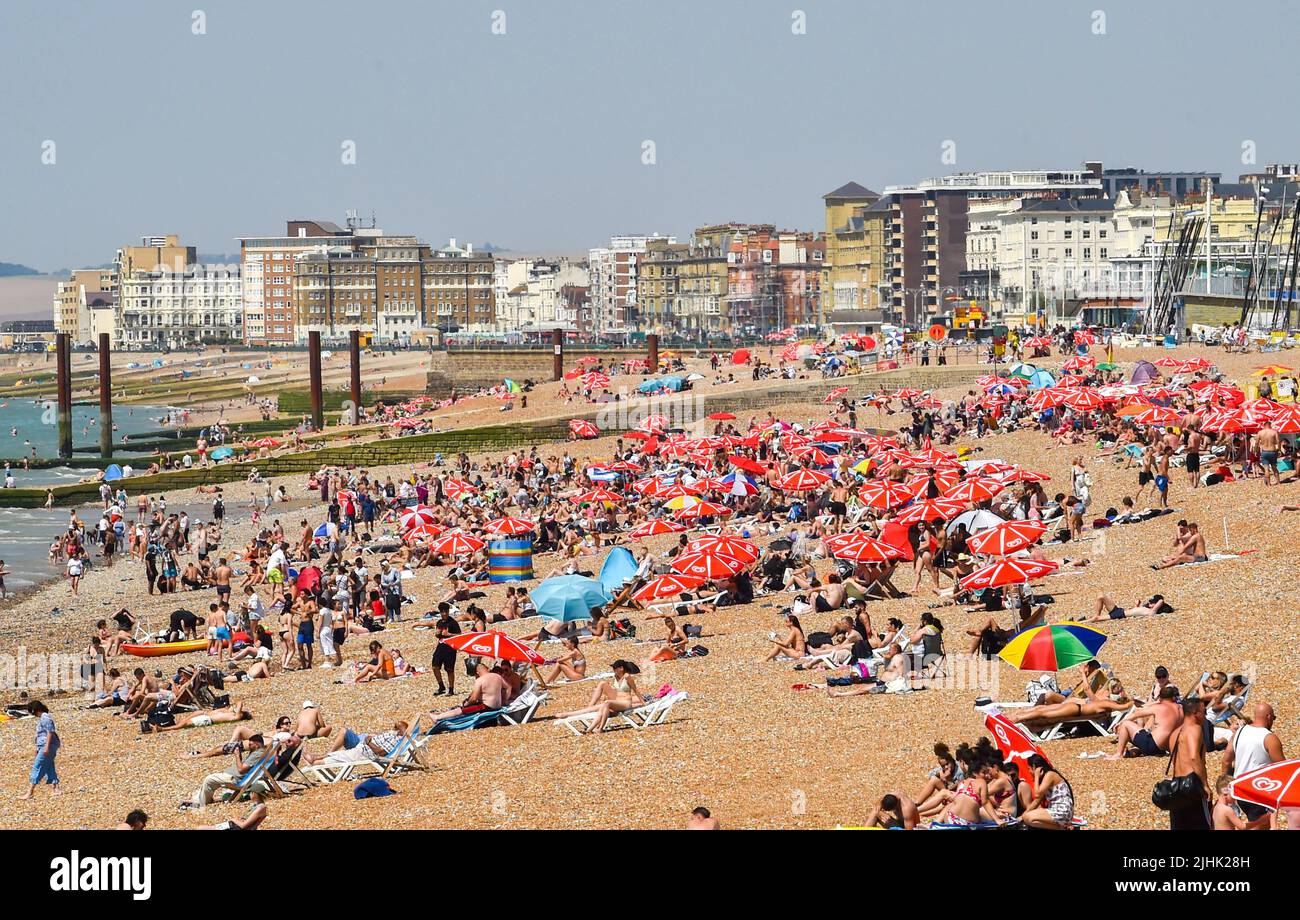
[(223, 633), (1162, 483), (351, 739)]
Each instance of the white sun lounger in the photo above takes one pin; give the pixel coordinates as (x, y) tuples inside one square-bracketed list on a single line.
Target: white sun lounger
[(1105, 725), (525, 706), (644, 716)]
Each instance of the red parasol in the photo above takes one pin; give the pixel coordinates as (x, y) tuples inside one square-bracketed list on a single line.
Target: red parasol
[(493, 644)]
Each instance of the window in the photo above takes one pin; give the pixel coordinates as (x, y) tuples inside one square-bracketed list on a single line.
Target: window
[(1102, 252), (1087, 252), (1101, 234), (1033, 234), (1069, 253), (1033, 253), (1069, 234)]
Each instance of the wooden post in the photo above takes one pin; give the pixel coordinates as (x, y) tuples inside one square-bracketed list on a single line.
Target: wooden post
[(63, 354), (557, 344), (354, 355), (105, 396), (652, 351), (317, 397)]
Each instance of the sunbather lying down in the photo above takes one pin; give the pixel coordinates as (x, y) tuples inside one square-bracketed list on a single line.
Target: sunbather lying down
[(235, 713), (1054, 713), (1107, 609)]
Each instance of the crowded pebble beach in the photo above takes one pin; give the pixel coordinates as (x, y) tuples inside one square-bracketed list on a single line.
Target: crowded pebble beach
[(766, 684)]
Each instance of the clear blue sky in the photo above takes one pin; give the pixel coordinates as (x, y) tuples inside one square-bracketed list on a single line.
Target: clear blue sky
[(532, 140)]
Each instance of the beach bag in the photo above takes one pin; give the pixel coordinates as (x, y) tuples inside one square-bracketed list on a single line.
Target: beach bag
[(1037, 689), (622, 629), (1176, 791), (161, 716)]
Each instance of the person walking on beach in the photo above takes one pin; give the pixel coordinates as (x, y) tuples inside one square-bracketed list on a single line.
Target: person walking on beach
[(1188, 760), (47, 748)]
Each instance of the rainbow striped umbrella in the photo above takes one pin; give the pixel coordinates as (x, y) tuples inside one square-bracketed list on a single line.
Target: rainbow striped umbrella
[(1052, 648)]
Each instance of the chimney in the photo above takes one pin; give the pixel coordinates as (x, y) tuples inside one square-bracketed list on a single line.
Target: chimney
[(452, 243)]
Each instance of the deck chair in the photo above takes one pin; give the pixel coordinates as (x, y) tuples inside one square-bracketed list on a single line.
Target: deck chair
[(650, 713), (257, 773), (670, 605), (407, 755), (933, 659), (654, 712), (525, 706)]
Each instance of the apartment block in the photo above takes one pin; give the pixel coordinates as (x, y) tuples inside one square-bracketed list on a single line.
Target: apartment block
[(615, 273)]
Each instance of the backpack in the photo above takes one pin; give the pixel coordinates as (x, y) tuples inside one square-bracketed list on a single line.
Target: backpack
[(622, 629)]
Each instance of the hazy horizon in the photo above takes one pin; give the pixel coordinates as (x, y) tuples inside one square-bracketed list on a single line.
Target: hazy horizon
[(533, 139)]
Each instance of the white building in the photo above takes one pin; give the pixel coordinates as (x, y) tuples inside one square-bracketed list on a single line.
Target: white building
[(163, 308), (613, 271), (533, 299)]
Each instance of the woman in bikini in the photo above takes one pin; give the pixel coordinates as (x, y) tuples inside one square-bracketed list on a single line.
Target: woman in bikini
[(793, 645), (967, 802), (1086, 706), (618, 695), (571, 664), (674, 644)]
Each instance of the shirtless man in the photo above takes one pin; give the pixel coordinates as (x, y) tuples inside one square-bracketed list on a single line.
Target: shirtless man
[(311, 723), (490, 692), (1162, 474), (1194, 442), (1192, 549), (202, 719), (1150, 727), (1189, 760), (221, 576), (1269, 443), (829, 596), (145, 686), (702, 820)]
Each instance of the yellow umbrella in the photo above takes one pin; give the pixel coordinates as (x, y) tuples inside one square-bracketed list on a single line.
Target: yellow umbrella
[(1272, 370), (681, 501), (862, 466)]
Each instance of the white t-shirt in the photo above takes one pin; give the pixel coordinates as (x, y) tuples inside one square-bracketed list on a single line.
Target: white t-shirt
[(74, 567)]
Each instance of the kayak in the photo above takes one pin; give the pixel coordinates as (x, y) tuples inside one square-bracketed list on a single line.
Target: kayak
[(154, 650)]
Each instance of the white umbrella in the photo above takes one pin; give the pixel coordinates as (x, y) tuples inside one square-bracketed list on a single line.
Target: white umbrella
[(975, 521), (254, 379)]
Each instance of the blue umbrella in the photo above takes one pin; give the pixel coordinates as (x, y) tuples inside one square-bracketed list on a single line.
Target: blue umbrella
[(1041, 380), (322, 531), (618, 569), (113, 473), (569, 597), (221, 453), (649, 386)]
